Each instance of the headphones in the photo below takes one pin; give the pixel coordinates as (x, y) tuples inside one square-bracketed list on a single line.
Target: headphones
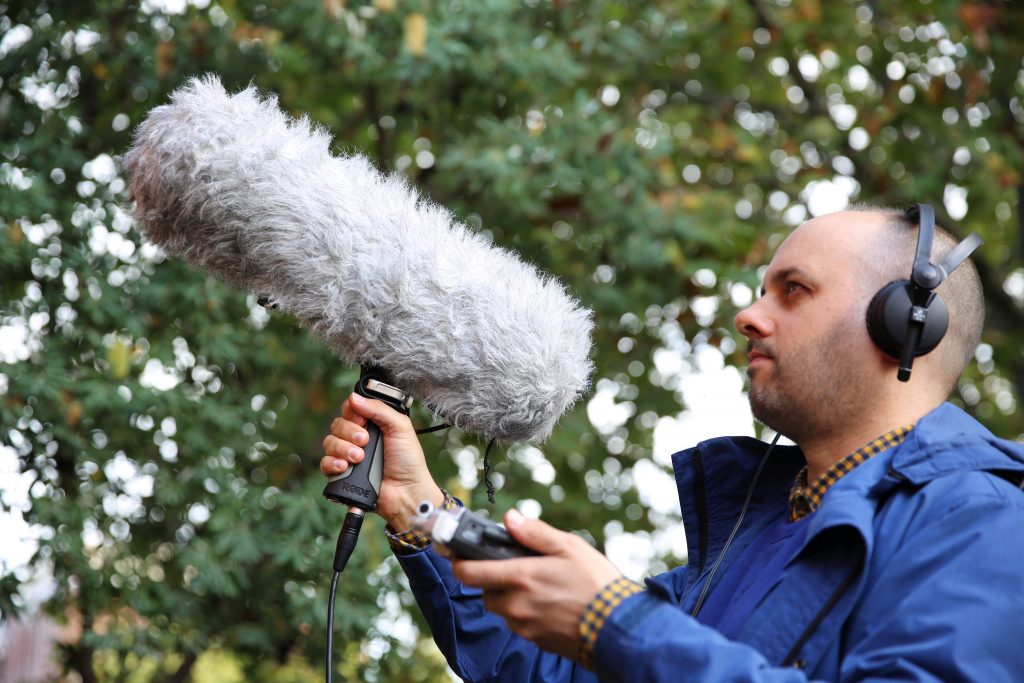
[(906, 318)]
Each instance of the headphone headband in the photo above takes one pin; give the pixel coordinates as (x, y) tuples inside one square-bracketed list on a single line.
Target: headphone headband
[(924, 274)]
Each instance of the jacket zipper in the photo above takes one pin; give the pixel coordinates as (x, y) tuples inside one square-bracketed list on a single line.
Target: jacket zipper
[(698, 466), (702, 508)]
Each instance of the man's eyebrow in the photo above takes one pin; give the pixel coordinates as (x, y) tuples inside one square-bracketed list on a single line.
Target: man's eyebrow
[(785, 274)]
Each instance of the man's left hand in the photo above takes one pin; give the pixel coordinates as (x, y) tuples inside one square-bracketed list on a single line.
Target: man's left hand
[(542, 598)]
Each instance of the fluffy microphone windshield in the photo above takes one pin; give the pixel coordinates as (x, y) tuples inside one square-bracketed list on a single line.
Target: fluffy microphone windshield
[(232, 185)]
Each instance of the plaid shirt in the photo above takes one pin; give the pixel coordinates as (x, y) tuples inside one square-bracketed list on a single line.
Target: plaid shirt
[(805, 499), (598, 611)]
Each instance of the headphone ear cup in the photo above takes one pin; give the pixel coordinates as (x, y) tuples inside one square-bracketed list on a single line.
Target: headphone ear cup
[(889, 316), (934, 327)]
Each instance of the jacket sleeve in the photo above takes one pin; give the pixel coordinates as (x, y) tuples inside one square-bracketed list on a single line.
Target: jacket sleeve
[(646, 638), (945, 606), (478, 645)]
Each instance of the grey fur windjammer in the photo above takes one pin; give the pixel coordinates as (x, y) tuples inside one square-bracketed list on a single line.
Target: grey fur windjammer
[(383, 276)]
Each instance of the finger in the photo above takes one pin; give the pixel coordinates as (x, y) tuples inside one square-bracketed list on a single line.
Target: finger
[(339, 448), (535, 534), (349, 431), (331, 466), (351, 415), (511, 606), (384, 416), (496, 575)]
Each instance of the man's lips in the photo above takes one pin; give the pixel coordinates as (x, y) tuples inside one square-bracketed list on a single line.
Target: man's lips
[(757, 357)]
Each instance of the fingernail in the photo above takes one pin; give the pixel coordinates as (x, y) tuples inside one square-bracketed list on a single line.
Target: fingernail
[(361, 436), (513, 518), (355, 453), (356, 398), (337, 466)]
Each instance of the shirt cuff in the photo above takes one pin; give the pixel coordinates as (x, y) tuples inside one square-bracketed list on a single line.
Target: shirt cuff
[(597, 612), (411, 540)]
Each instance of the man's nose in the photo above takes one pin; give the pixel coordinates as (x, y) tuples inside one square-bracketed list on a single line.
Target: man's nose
[(752, 322)]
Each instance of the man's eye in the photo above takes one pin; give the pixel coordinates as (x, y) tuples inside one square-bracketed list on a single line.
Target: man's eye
[(792, 287)]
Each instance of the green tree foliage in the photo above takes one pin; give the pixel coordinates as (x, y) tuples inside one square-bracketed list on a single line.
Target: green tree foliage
[(166, 430)]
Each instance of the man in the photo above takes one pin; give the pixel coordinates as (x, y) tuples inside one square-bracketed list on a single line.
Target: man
[(887, 545)]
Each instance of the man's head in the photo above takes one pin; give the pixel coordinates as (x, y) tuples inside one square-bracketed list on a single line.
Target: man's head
[(812, 363)]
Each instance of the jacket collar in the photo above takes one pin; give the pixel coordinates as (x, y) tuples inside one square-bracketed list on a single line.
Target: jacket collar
[(948, 440), (714, 478)]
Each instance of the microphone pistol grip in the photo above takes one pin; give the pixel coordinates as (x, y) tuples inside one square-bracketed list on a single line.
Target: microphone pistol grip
[(359, 485)]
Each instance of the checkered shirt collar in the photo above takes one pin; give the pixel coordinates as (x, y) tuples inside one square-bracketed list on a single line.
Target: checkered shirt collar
[(805, 498)]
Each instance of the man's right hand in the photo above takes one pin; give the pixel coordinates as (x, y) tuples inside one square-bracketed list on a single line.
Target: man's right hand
[(406, 480)]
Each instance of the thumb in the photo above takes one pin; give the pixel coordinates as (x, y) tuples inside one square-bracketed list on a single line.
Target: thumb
[(534, 534), (381, 414)]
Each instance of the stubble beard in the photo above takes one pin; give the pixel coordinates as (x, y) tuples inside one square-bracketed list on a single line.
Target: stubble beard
[(811, 391)]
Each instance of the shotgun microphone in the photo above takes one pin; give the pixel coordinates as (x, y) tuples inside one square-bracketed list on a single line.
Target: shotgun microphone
[(385, 277), (388, 279)]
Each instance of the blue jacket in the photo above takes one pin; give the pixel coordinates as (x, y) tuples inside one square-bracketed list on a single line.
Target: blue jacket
[(912, 570)]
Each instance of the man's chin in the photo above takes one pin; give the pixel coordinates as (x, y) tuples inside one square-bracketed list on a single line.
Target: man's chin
[(766, 408)]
